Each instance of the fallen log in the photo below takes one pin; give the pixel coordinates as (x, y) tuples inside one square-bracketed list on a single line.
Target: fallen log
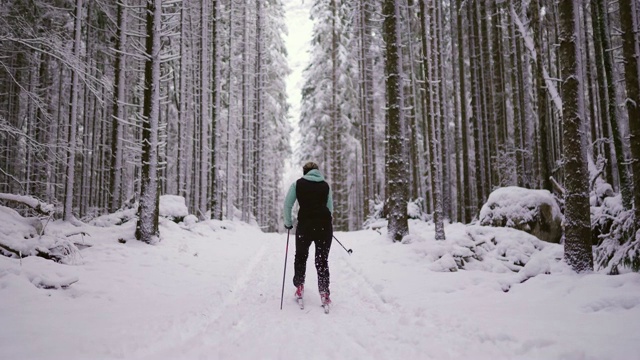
[(33, 203)]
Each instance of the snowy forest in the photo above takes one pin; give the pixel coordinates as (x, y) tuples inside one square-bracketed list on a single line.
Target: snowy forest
[(406, 104), (109, 103)]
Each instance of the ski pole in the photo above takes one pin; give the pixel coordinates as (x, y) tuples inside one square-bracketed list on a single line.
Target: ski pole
[(345, 249), (284, 275)]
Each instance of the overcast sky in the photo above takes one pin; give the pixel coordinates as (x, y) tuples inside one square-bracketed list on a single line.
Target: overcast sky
[(300, 26)]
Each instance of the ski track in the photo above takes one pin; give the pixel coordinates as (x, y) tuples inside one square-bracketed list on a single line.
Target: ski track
[(362, 324)]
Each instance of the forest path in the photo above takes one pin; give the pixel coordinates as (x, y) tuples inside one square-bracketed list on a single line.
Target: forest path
[(248, 323)]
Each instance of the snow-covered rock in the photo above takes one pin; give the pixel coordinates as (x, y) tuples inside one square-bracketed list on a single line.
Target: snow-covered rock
[(190, 221), (117, 218), (173, 207), (533, 211)]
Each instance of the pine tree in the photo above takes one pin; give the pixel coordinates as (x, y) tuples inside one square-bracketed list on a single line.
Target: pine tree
[(395, 166), (632, 103), (148, 210), (577, 232), (73, 117), (118, 108), (430, 62)]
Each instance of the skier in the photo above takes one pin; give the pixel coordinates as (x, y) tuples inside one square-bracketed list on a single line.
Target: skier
[(314, 225)]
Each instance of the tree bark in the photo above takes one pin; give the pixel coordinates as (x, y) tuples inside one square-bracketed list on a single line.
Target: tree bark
[(118, 108), (544, 164), (148, 210), (632, 101), (73, 116), (464, 121), (215, 111), (204, 109), (577, 232), (395, 171)]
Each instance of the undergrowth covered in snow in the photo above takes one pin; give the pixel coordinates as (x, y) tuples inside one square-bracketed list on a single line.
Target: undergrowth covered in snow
[(617, 246), (212, 289)]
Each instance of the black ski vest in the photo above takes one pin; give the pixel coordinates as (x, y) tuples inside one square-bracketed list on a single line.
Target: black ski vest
[(312, 197)]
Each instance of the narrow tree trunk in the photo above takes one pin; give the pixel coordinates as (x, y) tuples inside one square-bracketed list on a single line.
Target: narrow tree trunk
[(148, 210), (258, 169), (517, 110), (457, 100), (182, 106), (204, 109), (505, 160), (597, 19), (371, 167), (435, 135), (71, 155), (543, 120), (443, 136), (118, 108), (229, 146), (486, 95), (366, 115), (476, 106), (215, 102), (632, 102), (464, 121)]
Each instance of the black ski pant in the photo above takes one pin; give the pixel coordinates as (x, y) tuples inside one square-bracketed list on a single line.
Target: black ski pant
[(321, 235)]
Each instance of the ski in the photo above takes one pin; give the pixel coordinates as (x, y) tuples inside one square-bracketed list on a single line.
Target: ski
[(326, 308), (301, 303), (326, 302)]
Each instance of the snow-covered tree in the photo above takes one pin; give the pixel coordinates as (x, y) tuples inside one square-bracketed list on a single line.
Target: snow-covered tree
[(577, 226), (395, 165), (631, 58), (328, 104), (148, 210)]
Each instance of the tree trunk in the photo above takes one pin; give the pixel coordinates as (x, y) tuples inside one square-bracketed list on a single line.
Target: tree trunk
[(632, 102), (626, 182), (597, 19), (204, 109), (464, 120), (395, 169), (118, 108), (434, 135), (577, 232), (504, 161), (258, 168), (73, 116), (476, 106), (148, 210), (543, 120), (215, 109)]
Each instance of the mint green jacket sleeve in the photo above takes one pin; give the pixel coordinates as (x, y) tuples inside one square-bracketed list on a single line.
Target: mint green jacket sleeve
[(289, 200), (330, 201)]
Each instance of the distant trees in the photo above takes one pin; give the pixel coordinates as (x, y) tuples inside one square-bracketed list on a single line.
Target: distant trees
[(464, 97), (483, 104), (91, 87)]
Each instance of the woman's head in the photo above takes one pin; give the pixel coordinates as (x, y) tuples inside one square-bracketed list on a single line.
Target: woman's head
[(308, 167)]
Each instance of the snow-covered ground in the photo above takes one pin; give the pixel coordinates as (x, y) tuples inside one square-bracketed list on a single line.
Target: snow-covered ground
[(211, 290)]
